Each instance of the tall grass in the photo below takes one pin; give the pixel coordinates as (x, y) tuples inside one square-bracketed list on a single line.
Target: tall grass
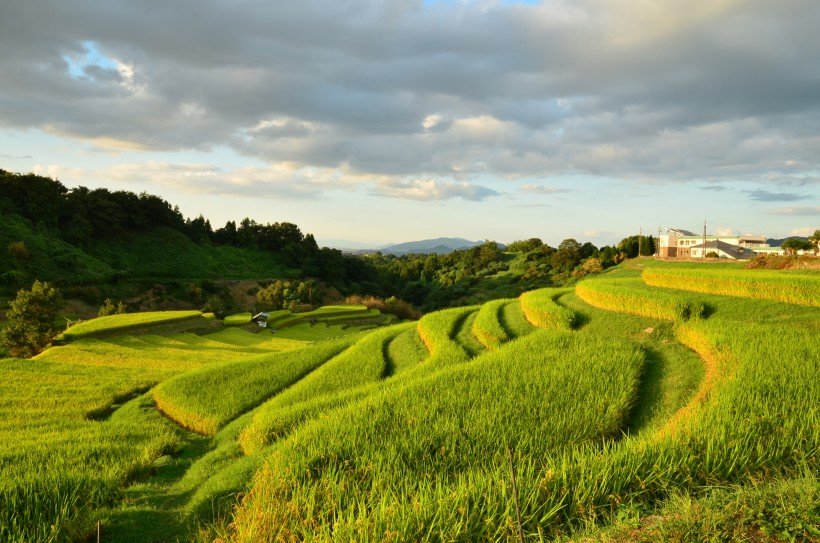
[(206, 399), (127, 321), (365, 362), (763, 284), (632, 296), (541, 310), (538, 396), (487, 325), (514, 321)]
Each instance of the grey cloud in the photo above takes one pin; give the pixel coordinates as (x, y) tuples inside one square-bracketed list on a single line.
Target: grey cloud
[(714, 188), (432, 190), (705, 92), (767, 196), (541, 189), (797, 210)]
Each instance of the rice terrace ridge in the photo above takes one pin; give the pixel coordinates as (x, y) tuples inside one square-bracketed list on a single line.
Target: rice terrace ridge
[(428, 271)]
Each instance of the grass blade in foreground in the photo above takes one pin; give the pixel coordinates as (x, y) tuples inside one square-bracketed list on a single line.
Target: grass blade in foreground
[(542, 394), (206, 399)]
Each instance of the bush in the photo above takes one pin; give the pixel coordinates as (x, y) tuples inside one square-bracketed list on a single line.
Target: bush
[(394, 306), (108, 308), (31, 318)]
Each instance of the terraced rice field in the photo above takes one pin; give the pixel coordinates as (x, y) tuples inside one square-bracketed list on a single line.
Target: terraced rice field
[(587, 413)]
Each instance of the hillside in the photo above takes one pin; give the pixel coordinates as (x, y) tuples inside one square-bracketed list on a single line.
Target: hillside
[(642, 404)]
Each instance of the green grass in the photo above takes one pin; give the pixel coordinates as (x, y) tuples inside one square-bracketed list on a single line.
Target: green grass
[(765, 284), (125, 322), (204, 400), (318, 331), (672, 372), (633, 296), (406, 351), (487, 326), (514, 321), (439, 437), (238, 319), (540, 309), (364, 363), (621, 420)]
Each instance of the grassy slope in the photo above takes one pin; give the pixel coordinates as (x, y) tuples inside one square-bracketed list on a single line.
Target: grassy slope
[(465, 493), (161, 253), (50, 258)]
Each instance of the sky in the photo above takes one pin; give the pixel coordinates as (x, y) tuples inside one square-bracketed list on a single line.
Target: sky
[(369, 122)]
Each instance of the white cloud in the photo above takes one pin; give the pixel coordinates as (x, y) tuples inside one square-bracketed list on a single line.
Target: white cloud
[(804, 232), (541, 189)]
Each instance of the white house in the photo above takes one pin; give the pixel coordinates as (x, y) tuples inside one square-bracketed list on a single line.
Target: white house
[(679, 243)]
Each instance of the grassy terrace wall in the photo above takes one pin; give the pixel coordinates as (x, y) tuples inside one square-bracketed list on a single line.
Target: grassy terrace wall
[(440, 467), (786, 287), (487, 326), (630, 295), (542, 310), (338, 382), (206, 399), (126, 322)]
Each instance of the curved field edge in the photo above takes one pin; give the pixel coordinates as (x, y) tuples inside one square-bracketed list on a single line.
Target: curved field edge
[(459, 423), (630, 295), (766, 285), (336, 383), (487, 327), (541, 309), (125, 322), (204, 400)]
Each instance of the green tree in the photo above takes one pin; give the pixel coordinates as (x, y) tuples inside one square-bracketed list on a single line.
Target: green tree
[(792, 245), (814, 240), (567, 256), (31, 318)]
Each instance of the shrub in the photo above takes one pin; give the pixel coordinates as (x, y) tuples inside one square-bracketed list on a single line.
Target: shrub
[(31, 318), (108, 308), (394, 306), (19, 251)]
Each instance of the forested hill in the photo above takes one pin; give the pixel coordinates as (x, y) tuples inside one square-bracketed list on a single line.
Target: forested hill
[(81, 236), (118, 243)]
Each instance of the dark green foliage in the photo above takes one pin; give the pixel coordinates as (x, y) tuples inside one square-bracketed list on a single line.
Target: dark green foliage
[(31, 316), (792, 245), (108, 308), (287, 295)]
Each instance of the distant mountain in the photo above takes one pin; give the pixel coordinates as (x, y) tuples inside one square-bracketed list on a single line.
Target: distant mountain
[(344, 244), (428, 246)]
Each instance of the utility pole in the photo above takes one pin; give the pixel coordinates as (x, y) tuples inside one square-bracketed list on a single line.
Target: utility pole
[(640, 238), (703, 251)]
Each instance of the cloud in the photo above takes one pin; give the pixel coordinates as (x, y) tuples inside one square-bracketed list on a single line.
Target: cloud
[(714, 188), (704, 91), (804, 232), (767, 196), (724, 232), (797, 210), (541, 189), (430, 190), (281, 181)]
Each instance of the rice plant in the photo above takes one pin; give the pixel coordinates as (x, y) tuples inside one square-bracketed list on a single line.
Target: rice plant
[(126, 321), (763, 284), (632, 296), (541, 310), (487, 326), (206, 399)]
